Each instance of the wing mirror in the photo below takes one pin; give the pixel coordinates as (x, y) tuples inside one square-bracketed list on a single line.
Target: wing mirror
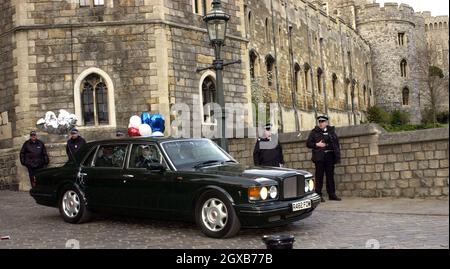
[(156, 167)]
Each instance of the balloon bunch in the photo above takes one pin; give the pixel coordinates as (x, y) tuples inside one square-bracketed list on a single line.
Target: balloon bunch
[(146, 125), (61, 124)]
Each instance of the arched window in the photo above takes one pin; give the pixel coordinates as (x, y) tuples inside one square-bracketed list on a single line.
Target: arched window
[(249, 23), (403, 68), (440, 25), (270, 61), (426, 27), (253, 64), (435, 25), (445, 25), (319, 80), (306, 70), (333, 84), (364, 95), (297, 77), (279, 36), (94, 100), (209, 96), (405, 96), (266, 24)]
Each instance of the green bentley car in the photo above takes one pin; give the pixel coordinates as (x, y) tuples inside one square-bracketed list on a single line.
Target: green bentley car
[(176, 179)]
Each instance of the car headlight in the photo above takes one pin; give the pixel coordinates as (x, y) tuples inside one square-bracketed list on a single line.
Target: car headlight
[(311, 185), (262, 193), (273, 192)]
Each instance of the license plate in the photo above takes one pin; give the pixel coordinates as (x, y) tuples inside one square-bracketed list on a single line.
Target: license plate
[(297, 206)]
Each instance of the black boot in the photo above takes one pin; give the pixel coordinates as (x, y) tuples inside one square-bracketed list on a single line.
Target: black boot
[(334, 198)]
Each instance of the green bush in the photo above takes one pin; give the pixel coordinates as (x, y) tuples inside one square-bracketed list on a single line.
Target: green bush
[(442, 117), (399, 118), (409, 127), (378, 115)]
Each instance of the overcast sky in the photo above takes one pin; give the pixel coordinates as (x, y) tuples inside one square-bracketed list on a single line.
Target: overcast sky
[(437, 7)]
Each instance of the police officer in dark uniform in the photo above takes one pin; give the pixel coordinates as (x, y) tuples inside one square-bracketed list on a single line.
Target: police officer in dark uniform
[(325, 154), (74, 143), (268, 151), (33, 154)]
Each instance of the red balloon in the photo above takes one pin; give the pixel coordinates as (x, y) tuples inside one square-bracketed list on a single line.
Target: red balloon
[(132, 132)]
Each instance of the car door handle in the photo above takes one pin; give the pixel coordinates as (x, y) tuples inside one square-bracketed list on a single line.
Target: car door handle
[(128, 176)]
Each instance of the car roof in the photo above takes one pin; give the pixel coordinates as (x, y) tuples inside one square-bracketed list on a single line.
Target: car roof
[(140, 140)]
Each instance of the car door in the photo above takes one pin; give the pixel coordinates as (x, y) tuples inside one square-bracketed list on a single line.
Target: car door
[(103, 177), (151, 189)]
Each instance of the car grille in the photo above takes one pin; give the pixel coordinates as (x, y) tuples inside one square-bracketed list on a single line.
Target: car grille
[(293, 187)]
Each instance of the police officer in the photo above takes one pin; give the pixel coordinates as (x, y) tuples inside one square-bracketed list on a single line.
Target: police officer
[(325, 154), (33, 154), (74, 143), (268, 151)]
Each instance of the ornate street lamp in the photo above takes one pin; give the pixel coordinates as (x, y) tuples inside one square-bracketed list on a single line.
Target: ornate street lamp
[(216, 24)]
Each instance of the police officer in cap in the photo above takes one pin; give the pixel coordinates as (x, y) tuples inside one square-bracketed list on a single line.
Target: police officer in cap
[(33, 154), (325, 154), (268, 151), (74, 143)]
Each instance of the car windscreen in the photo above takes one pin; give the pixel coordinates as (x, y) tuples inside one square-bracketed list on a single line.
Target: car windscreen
[(188, 154)]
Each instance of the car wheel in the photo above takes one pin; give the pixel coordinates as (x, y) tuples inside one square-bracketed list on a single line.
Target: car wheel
[(72, 206), (215, 215)]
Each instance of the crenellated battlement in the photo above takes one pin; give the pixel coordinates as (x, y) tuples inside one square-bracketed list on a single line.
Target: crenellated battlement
[(389, 12)]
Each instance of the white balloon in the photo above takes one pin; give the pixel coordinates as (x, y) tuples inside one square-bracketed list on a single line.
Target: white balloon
[(53, 124), (157, 134), (145, 130), (50, 115), (63, 114), (135, 121)]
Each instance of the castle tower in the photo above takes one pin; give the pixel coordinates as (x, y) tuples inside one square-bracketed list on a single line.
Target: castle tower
[(436, 29), (396, 35), (346, 9)]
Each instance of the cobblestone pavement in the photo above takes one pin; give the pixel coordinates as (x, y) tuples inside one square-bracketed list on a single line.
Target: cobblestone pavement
[(352, 223)]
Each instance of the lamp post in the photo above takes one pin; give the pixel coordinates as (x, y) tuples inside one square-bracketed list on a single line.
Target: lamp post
[(216, 23)]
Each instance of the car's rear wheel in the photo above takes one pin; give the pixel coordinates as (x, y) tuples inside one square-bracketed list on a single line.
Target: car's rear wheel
[(72, 206), (215, 215)]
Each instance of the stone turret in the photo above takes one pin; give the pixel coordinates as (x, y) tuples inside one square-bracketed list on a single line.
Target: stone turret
[(396, 36)]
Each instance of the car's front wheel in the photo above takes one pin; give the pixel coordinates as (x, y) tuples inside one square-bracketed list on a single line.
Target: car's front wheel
[(215, 215), (72, 205)]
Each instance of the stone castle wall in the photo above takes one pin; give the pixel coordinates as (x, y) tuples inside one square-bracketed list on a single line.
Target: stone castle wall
[(374, 163), (7, 75), (306, 36)]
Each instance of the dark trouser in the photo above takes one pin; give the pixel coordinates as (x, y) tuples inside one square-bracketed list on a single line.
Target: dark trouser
[(325, 167), (30, 174)]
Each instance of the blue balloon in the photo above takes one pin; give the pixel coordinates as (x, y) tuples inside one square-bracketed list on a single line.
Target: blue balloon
[(145, 117), (157, 123)]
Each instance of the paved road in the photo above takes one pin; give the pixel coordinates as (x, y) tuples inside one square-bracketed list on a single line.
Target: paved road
[(352, 223)]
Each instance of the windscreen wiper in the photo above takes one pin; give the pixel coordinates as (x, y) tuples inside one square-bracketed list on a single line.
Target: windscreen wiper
[(205, 163)]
